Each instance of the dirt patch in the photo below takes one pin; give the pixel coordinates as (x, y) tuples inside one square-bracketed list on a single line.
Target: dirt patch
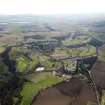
[(71, 87), (73, 92), (52, 96), (98, 74)]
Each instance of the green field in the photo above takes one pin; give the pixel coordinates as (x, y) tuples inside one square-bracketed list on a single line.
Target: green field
[(103, 98), (38, 82), (82, 51), (2, 49), (76, 41)]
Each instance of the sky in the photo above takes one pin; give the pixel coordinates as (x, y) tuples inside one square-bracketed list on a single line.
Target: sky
[(50, 7)]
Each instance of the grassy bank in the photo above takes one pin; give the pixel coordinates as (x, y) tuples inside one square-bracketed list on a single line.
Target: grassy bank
[(39, 82), (103, 98)]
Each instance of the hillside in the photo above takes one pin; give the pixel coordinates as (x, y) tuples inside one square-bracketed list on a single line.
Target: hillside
[(55, 60)]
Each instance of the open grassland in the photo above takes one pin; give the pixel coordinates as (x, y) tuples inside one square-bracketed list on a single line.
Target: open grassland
[(76, 41), (82, 51), (103, 98), (22, 63), (102, 53), (2, 49), (38, 82)]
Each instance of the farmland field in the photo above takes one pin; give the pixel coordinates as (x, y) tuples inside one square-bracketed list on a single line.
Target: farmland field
[(44, 54)]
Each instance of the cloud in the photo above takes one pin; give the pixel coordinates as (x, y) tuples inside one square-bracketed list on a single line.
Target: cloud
[(51, 6)]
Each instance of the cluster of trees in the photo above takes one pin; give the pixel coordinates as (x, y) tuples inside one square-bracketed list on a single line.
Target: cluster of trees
[(11, 81)]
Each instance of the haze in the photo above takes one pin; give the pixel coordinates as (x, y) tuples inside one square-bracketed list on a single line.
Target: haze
[(50, 7)]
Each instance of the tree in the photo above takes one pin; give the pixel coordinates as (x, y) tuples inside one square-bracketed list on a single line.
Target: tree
[(96, 43), (10, 85), (11, 82)]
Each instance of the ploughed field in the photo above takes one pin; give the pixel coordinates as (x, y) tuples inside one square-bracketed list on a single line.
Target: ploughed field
[(98, 75), (72, 92)]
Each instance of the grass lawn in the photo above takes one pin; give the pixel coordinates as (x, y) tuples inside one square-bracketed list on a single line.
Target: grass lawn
[(48, 63), (77, 41), (90, 50), (82, 51), (22, 63), (103, 98), (40, 81), (2, 49)]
